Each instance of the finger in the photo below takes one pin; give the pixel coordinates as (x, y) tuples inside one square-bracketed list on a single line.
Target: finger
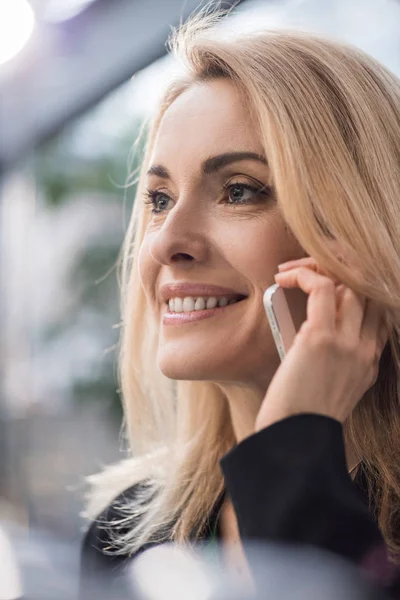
[(351, 314), (321, 304), (309, 262), (297, 262)]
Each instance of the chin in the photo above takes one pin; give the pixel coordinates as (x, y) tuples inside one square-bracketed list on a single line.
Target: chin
[(191, 368), (195, 367), (187, 372)]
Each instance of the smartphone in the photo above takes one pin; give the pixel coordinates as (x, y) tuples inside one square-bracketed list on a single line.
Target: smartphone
[(286, 310)]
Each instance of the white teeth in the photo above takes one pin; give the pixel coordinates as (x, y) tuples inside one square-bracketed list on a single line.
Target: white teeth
[(189, 304), (178, 305), (200, 304), (211, 302)]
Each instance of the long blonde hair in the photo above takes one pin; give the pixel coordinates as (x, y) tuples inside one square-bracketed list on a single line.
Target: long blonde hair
[(329, 117)]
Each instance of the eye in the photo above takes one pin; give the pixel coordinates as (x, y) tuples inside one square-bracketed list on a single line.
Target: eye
[(243, 193), (158, 200)]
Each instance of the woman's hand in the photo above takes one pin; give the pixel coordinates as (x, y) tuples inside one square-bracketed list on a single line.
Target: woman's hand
[(334, 358)]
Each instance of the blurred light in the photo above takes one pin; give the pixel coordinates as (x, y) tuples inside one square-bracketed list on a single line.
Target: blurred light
[(10, 580), (62, 10), (179, 575), (16, 25)]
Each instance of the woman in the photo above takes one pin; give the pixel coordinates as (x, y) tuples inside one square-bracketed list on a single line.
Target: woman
[(274, 147)]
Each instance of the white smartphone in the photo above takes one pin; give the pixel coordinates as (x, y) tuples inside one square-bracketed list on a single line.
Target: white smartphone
[(286, 310)]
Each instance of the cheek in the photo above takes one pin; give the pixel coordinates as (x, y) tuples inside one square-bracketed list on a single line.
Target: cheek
[(257, 259)]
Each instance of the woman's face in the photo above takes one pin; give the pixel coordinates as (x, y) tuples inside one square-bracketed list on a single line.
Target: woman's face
[(214, 225)]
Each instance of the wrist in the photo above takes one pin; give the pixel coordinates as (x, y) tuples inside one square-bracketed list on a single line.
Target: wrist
[(266, 420)]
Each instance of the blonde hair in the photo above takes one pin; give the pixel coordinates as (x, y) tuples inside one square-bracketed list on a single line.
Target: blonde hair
[(329, 117)]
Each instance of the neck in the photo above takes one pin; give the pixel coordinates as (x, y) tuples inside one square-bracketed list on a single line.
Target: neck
[(244, 405)]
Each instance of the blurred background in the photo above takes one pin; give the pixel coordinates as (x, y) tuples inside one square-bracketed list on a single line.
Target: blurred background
[(78, 78)]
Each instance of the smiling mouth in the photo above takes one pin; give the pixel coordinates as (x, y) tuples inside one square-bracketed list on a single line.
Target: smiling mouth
[(201, 304)]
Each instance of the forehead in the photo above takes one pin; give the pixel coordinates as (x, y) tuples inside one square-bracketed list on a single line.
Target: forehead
[(209, 118)]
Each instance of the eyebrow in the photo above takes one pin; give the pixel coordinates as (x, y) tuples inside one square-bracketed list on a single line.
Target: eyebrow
[(213, 164)]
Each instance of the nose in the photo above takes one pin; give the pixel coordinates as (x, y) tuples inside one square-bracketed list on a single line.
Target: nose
[(181, 240)]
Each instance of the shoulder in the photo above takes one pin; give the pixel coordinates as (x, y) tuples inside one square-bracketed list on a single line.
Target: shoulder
[(101, 568), (99, 536), (115, 496), (124, 478)]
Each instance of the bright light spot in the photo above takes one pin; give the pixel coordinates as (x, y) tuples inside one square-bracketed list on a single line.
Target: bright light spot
[(16, 25), (178, 575), (62, 10)]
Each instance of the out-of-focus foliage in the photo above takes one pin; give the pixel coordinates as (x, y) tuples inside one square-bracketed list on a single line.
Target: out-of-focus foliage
[(63, 175)]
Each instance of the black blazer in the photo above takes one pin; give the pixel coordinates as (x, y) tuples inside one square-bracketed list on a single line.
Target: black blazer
[(288, 483)]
